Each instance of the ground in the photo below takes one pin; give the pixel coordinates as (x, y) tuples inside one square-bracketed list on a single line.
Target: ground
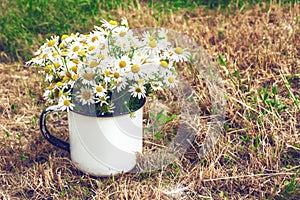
[(257, 156)]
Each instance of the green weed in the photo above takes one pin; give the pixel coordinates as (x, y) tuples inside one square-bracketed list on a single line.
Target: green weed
[(291, 189), (271, 101), (25, 24)]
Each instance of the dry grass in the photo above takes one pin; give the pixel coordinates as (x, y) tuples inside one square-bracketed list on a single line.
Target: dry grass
[(257, 157)]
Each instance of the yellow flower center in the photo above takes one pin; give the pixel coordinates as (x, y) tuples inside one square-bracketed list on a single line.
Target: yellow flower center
[(64, 53), (93, 63), (54, 54), (135, 68), (94, 38), (117, 84), (152, 44), (58, 84), (63, 37), (60, 92), (144, 60), (65, 79), (75, 61), (81, 53), (122, 34), (164, 64), (76, 48), (178, 50), (88, 76), (99, 88), (101, 56), (50, 87), (75, 77), (91, 48), (68, 74), (86, 95), (155, 84), (48, 68), (102, 99), (117, 75), (122, 64), (56, 65), (67, 102), (138, 90), (112, 22), (74, 68), (50, 43), (107, 72), (171, 80), (102, 46)]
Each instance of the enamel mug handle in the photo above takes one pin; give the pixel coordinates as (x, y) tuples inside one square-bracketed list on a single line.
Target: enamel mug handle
[(45, 132)]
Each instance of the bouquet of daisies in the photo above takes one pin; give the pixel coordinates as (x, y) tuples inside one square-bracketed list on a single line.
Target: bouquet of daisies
[(109, 61)]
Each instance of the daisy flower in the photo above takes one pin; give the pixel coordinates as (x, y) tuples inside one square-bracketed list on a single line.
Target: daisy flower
[(95, 36), (162, 33), (115, 27), (135, 71), (76, 49), (137, 90), (150, 44), (65, 103), (54, 41), (87, 76), (127, 40), (49, 77), (66, 40), (147, 37), (123, 42), (110, 108), (100, 90), (117, 75), (121, 85), (103, 100), (109, 25), (163, 39), (170, 80), (46, 51), (165, 66), (141, 68), (86, 96), (179, 54), (122, 64), (107, 73), (49, 93), (156, 85)]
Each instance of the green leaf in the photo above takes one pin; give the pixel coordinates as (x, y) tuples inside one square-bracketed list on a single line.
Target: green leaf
[(158, 116), (274, 89), (222, 60), (236, 74), (158, 136)]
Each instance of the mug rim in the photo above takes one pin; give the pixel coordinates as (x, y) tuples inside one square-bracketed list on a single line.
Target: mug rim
[(141, 104)]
